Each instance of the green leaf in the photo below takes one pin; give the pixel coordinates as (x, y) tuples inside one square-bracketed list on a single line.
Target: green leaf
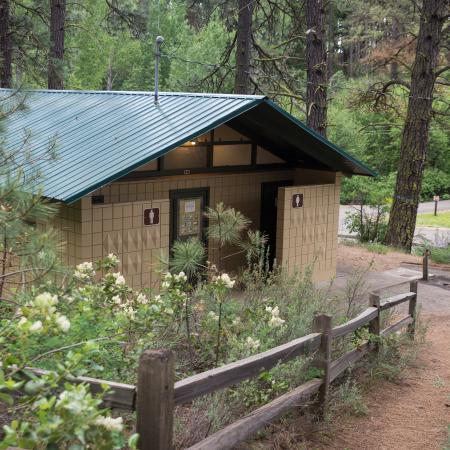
[(33, 386), (6, 398)]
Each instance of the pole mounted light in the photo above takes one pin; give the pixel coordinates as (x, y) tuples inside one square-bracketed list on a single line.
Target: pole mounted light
[(159, 41)]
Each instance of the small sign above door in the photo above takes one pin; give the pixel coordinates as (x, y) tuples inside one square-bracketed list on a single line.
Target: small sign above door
[(297, 200), (151, 216)]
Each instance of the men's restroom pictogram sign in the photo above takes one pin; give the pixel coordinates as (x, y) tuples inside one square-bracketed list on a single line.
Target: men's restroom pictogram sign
[(297, 200), (151, 216)]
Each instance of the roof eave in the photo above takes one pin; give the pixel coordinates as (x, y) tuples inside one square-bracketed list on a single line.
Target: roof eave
[(364, 170), (122, 173)]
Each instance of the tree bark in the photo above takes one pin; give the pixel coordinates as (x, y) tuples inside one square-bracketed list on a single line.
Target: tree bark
[(243, 46), (316, 66), (414, 144), (5, 45), (56, 54), (330, 38), (395, 37)]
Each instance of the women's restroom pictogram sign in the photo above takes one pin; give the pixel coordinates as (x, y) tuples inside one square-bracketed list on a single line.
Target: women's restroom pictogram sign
[(151, 216), (297, 200)]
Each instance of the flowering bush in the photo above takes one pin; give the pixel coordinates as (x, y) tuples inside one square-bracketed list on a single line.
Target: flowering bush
[(53, 411)]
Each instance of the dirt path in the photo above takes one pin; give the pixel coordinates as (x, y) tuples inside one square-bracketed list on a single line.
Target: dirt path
[(353, 257), (411, 415)]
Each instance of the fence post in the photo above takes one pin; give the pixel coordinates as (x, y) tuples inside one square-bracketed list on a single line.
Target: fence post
[(375, 324), (413, 307), (155, 400), (322, 324), (426, 256)]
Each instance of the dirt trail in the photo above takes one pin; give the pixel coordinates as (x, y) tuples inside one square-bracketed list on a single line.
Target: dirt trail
[(411, 415)]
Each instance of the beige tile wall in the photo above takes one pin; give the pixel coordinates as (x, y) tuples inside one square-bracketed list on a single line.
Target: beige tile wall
[(119, 229), (117, 226), (308, 235), (93, 231), (68, 222)]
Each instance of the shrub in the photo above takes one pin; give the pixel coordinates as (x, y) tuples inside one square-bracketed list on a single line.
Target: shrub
[(435, 182), (371, 200)]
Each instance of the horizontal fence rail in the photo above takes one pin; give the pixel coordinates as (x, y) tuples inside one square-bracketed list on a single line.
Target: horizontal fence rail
[(352, 325), (121, 396), (214, 379), (238, 431), (156, 394)]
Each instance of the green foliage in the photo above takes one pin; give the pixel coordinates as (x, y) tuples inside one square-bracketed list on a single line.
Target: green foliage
[(347, 398), (438, 255), (376, 247), (54, 412), (225, 225), (397, 351), (189, 257), (435, 182), (371, 200)]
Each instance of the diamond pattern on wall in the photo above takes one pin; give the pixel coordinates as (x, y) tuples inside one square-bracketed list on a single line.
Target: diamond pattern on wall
[(132, 263), (112, 242), (131, 240), (151, 238)]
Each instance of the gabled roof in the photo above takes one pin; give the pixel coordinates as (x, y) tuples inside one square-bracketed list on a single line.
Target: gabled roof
[(103, 135)]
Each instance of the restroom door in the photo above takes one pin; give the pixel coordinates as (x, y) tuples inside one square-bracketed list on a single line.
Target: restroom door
[(269, 210), (187, 220)]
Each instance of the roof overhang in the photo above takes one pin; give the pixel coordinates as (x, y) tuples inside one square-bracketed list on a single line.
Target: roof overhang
[(294, 141)]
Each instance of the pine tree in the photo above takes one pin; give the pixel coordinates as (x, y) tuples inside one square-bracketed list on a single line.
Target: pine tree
[(243, 47), (316, 61), (414, 144), (57, 35)]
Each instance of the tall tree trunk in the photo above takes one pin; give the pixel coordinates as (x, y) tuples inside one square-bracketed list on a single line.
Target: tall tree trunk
[(5, 45), (316, 66), (56, 54), (395, 36), (330, 39), (414, 145), (243, 46)]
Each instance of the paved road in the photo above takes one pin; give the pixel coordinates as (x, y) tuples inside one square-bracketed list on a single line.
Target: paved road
[(427, 207), (437, 236)]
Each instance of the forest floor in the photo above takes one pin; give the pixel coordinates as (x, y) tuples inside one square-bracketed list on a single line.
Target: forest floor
[(412, 413), (409, 413)]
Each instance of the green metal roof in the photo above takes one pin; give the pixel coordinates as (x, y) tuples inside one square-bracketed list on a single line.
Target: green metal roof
[(103, 135)]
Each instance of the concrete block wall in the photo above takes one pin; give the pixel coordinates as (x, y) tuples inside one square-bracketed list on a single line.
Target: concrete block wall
[(308, 235), (68, 222), (91, 232), (117, 225), (119, 229)]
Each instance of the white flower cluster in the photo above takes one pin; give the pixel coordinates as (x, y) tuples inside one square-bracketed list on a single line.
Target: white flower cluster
[(252, 344), (142, 299), (127, 304), (112, 259), (75, 401), (225, 280), (213, 316), (275, 319), (43, 305), (110, 423), (119, 279), (170, 279), (84, 271)]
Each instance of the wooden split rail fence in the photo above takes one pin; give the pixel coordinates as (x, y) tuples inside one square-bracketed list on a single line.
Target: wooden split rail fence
[(156, 393)]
